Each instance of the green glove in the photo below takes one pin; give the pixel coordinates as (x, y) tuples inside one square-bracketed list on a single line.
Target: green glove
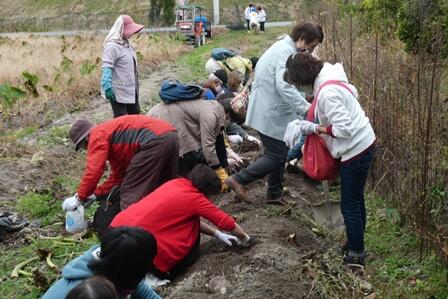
[(110, 94)]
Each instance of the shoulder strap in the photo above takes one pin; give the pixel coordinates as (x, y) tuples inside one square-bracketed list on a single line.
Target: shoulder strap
[(311, 112)]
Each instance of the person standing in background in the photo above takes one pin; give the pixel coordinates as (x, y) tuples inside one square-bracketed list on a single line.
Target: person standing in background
[(119, 79), (247, 12), (261, 17)]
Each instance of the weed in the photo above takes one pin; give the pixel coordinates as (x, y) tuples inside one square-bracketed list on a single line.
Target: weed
[(41, 206), (56, 135)]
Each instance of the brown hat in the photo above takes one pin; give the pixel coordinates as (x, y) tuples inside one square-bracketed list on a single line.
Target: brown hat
[(79, 131)]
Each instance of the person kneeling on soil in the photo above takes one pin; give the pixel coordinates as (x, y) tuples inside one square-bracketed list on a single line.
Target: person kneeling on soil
[(124, 257), (142, 152), (200, 124), (172, 213)]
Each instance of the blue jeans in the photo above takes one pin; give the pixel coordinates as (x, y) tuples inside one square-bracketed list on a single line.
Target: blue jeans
[(353, 175), (296, 151)]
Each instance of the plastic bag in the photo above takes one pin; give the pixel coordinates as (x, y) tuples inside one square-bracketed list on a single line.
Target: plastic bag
[(318, 163), (74, 220)]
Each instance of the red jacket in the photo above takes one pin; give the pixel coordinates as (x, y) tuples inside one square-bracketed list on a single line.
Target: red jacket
[(117, 141), (172, 214)]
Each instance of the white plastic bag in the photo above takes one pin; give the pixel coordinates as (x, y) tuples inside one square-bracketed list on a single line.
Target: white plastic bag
[(74, 220)]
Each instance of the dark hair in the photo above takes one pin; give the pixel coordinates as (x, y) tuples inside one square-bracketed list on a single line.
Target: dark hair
[(224, 99), (221, 75), (250, 5), (302, 69), (205, 179), (96, 287), (308, 31), (254, 61), (259, 7), (126, 256)]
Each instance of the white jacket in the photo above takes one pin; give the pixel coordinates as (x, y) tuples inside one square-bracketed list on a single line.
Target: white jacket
[(337, 107), (261, 16), (247, 13)]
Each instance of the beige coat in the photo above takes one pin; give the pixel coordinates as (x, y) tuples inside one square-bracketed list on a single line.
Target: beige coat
[(198, 123)]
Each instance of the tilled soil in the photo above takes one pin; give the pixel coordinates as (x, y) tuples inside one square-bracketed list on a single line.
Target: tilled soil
[(272, 267)]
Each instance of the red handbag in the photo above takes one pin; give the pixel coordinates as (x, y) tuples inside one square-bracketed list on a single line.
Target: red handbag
[(318, 163)]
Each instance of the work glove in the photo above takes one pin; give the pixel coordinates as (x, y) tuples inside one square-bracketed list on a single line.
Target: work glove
[(235, 139), (89, 201), (109, 93), (244, 243), (234, 156), (308, 127), (293, 133), (71, 203), (225, 238), (222, 174), (253, 139)]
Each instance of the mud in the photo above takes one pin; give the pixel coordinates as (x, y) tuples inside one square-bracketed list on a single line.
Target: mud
[(272, 268)]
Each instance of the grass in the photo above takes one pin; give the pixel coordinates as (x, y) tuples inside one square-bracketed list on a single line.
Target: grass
[(24, 286), (40, 206), (395, 265), (56, 135), (192, 65)]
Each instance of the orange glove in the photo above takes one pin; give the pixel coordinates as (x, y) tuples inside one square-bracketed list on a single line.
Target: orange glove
[(222, 174)]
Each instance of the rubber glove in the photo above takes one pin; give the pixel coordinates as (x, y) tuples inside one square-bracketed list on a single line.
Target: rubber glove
[(225, 238), (222, 174), (235, 139), (71, 203), (109, 94), (253, 139)]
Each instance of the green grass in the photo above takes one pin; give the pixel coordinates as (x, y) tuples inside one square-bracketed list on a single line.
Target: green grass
[(192, 65), (40, 206), (24, 286), (56, 135), (394, 263)]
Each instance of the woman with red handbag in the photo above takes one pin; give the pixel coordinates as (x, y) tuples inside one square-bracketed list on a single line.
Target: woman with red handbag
[(347, 134)]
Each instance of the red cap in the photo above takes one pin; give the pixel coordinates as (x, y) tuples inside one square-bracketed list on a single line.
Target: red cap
[(130, 27)]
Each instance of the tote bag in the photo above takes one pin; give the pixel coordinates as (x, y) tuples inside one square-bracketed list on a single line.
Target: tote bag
[(318, 163)]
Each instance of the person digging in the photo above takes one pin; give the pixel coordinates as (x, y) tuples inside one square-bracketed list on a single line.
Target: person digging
[(142, 152)]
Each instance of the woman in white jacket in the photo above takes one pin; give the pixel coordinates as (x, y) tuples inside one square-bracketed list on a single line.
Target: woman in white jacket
[(261, 16), (347, 132)]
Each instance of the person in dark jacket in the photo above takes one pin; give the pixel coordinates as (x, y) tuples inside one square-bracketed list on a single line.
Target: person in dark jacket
[(173, 213), (142, 152), (125, 256)]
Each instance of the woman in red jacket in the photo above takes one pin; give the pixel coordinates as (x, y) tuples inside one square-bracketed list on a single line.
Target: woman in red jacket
[(172, 213)]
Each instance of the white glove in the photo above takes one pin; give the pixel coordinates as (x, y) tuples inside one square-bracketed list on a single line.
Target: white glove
[(308, 127), (253, 139), (71, 203), (235, 139), (244, 243), (89, 201), (234, 156), (293, 133), (225, 238)]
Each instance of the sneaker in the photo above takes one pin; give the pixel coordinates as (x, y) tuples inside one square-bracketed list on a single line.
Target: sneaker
[(280, 200), (354, 259)]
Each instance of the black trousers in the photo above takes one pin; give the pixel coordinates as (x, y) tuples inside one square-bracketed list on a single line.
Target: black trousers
[(262, 26), (186, 262), (121, 109), (272, 163), (248, 24)]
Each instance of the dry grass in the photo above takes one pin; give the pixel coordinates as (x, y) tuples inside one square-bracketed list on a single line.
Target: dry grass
[(57, 61)]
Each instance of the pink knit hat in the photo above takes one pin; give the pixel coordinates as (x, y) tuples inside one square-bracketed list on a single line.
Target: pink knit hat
[(130, 27)]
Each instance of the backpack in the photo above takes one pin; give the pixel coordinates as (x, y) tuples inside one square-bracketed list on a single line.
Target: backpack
[(173, 91), (220, 54)]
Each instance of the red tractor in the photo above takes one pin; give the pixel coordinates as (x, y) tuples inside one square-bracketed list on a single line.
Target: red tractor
[(192, 22)]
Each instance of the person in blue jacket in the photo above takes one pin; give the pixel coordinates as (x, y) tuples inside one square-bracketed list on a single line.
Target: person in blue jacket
[(124, 257)]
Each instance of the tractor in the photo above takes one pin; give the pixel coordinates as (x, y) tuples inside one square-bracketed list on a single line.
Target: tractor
[(192, 22)]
